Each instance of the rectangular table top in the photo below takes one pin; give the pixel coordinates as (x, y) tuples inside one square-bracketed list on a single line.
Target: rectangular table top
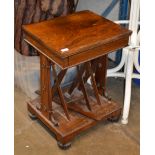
[(78, 37)]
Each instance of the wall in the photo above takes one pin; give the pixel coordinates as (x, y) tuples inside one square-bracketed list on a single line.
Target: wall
[(99, 6)]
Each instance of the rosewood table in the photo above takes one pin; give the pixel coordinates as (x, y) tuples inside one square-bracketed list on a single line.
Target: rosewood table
[(82, 39)]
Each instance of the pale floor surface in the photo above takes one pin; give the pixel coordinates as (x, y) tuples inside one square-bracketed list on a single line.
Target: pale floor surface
[(32, 138)]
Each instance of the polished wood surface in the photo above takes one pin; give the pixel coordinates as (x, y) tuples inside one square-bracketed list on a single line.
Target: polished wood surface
[(82, 39), (69, 37)]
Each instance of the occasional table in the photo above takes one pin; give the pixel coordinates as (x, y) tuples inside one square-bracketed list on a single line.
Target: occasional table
[(82, 39)]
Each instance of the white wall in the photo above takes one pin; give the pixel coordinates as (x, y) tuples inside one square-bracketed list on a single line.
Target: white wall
[(98, 6)]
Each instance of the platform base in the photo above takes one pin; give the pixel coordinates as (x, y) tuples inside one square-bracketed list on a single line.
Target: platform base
[(81, 118), (67, 129)]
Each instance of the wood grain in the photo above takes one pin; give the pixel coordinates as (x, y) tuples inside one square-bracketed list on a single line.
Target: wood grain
[(83, 35)]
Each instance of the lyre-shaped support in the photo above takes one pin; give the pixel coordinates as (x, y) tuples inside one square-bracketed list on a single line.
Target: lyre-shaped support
[(64, 105), (89, 69), (76, 82), (83, 88)]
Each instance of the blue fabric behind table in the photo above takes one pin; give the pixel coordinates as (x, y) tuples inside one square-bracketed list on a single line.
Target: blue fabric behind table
[(68, 78), (137, 81)]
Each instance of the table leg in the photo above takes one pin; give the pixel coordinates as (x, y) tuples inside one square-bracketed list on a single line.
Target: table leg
[(45, 87), (100, 74)]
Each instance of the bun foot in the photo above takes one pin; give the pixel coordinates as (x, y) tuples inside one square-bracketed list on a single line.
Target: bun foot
[(64, 146), (114, 119), (32, 116)]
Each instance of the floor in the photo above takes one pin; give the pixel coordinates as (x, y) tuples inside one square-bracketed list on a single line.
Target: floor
[(33, 138)]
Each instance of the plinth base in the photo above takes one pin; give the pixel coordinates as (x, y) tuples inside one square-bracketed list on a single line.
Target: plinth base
[(66, 129), (81, 118)]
